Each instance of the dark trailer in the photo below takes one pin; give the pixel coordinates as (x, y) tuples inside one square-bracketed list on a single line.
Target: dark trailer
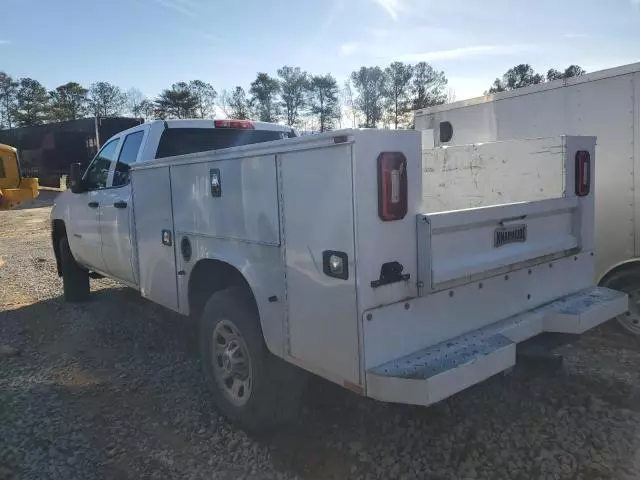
[(46, 151)]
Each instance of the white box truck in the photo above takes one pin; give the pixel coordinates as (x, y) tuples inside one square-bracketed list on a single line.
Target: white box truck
[(605, 104), (321, 253)]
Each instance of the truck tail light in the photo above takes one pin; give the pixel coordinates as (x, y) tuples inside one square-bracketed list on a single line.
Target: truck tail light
[(392, 186), (583, 173), (233, 124)]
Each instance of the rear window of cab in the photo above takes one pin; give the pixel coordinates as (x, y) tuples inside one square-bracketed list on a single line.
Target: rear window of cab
[(181, 141)]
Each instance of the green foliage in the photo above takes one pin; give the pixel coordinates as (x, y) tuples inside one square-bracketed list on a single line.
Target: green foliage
[(523, 75), (105, 99), (570, 71), (264, 90), (397, 91), (517, 77), (428, 85), (369, 83), (31, 103), (68, 102), (177, 102), (8, 89), (323, 100), (294, 85)]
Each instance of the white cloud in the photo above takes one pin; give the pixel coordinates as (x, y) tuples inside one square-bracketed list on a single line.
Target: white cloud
[(5, 42), (349, 48), (635, 4), (185, 7), (464, 52), (577, 35), (392, 7)]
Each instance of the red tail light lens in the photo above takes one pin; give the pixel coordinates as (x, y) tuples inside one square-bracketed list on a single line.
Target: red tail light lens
[(583, 173), (392, 186), (233, 124)]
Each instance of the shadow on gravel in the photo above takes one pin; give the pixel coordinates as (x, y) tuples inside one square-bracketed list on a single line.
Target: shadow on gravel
[(112, 389)]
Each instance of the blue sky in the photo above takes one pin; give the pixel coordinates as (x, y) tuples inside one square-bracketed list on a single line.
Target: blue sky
[(150, 44)]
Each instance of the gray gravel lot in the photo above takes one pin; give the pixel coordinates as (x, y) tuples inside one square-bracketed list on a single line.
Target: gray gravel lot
[(112, 389)]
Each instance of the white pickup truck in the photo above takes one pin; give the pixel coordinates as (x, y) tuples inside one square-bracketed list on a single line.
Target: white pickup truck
[(332, 253)]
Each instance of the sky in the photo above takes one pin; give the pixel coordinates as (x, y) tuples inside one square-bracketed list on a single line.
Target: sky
[(150, 44)]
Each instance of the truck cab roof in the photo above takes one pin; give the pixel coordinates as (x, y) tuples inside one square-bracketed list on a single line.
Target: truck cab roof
[(167, 138)]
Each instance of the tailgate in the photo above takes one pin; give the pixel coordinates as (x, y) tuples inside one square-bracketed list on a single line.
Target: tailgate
[(462, 246)]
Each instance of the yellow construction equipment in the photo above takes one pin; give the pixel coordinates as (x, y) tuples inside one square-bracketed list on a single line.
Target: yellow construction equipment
[(14, 188)]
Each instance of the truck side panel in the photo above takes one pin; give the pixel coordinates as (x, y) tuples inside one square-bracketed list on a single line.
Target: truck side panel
[(246, 208), (238, 225), (322, 324), (379, 242)]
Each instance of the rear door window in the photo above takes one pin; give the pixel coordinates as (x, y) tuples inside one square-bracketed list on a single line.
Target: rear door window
[(128, 155), (180, 141)]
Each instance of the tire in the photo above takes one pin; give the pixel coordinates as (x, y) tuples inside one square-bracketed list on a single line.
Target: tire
[(627, 280), (75, 279), (271, 388)]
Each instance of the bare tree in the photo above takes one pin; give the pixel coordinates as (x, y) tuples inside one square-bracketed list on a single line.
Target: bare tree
[(105, 99), (235, 104), (205, 96), (133, 99), (348, 100)]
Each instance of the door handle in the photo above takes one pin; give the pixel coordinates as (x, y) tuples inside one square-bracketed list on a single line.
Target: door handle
[(120, 204), (93, 204)]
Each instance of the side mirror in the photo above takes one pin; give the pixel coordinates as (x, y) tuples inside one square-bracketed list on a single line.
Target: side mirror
[(75, 178)]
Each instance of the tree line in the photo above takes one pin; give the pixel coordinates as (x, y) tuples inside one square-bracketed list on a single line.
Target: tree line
[(523, 75), (370, 97)]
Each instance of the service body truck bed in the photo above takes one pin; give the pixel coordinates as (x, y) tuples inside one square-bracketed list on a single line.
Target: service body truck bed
[(605, 104), (355, 273)]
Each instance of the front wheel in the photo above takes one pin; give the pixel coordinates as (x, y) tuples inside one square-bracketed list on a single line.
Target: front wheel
[(251, 386), (75, 278)]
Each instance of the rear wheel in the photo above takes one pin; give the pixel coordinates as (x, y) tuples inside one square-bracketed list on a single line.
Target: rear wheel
[(251, 386), (627, 281), (75, 278)]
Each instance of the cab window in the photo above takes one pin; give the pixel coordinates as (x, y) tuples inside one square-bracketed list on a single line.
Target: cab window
[(128, 155), (98, 172)]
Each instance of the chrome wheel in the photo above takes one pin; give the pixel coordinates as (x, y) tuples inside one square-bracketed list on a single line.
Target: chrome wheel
[(630, 321), (231, 363)]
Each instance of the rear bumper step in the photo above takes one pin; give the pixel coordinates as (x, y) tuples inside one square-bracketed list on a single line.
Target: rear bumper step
[(437, 372)]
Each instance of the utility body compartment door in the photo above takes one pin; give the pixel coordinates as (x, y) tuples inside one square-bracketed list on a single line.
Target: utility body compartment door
[(317, 217), (155, 235)]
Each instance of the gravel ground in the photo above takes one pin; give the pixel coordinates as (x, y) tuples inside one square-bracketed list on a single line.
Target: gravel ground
[(112, 389)]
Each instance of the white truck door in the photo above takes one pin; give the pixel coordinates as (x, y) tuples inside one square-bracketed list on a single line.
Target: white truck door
[(115, 211), (84, 217), (318, 224)]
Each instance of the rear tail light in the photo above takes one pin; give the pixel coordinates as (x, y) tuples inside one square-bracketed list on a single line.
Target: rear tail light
[(583, 173), (392, 186), (233, 124)]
